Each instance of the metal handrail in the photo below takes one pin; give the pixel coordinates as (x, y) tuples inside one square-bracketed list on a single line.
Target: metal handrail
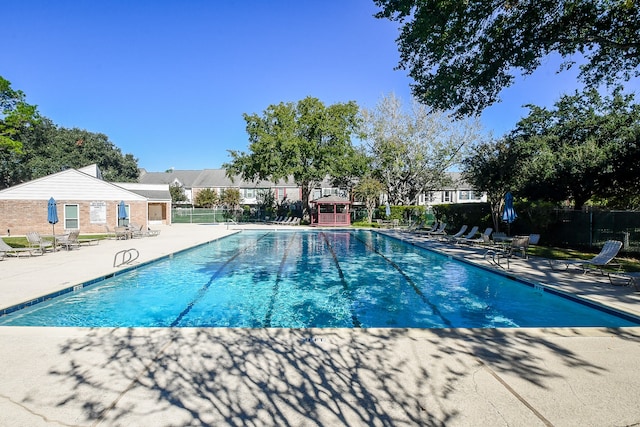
[(128, 257)]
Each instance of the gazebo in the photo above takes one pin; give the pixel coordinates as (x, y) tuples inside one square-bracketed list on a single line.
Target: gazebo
[(331, 211)]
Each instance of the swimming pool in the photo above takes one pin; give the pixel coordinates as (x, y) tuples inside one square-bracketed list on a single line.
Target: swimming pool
[(299, 279)]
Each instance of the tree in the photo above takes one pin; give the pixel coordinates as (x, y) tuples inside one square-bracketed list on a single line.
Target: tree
[(177, 193), (230, 199), (584, 147), (369, 190), (207, 198), (266, 200), (16, 118), (307, 141), (461, 54), (50, 148), (493, 168), (411, 151)]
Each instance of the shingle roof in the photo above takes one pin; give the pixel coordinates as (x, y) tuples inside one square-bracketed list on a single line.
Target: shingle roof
[(206, 178)]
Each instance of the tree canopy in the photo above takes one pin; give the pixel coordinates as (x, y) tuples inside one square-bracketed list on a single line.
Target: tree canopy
[(461, 54), (32, 146), (306, 140), (411, 151), (585, 148)]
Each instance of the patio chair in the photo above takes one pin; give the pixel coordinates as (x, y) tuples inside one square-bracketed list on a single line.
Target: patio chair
[(69, 240), (518, 244), (603, 259), (37, 242), (6, 249), (460, 233)]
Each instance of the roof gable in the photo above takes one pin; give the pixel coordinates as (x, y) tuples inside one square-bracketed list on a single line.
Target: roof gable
[(69, 184)]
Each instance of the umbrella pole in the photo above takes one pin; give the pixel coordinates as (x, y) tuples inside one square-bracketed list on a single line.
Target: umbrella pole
[(53, 231)]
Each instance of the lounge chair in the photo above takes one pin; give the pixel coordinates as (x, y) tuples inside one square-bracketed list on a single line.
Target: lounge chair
[(470, 235), (604, 259), (460, 233), (439, 232), (110, 233), (625, 279), (517, 244), (122, 233), (69, 240), (37, 242), (431, 229), (482, 240), (136, 230), (416, 225), (6, 249)]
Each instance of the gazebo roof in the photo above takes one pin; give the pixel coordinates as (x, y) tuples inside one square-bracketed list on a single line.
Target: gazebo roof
[(331, 200)]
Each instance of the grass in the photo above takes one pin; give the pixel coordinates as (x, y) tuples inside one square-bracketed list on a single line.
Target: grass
[(627, 263), (21, 242)]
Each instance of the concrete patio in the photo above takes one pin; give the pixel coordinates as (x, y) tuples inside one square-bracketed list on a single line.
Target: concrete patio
[(309, 377)]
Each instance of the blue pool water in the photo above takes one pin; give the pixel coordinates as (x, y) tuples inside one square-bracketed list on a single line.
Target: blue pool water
[(303, 279)]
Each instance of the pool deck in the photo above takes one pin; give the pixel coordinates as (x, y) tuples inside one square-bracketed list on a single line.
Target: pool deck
[(310, 377)]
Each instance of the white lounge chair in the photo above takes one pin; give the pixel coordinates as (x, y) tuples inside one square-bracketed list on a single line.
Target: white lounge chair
[(422, 229), (470, 235), (460, 233), (625, 279), (439, 232), (483, 239), (608, 252)]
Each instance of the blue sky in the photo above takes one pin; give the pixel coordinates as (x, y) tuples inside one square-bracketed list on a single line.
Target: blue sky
[(168, 81)]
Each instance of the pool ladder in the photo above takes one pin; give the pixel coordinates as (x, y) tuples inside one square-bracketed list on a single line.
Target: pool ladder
[(128, 256)]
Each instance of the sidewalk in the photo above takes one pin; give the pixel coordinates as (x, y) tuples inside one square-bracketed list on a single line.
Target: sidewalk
[(312, 377)]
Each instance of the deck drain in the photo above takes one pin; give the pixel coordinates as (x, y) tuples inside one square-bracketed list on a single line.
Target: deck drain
[(311, 340)]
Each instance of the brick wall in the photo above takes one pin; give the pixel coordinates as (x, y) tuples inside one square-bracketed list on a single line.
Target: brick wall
[(22, 216)]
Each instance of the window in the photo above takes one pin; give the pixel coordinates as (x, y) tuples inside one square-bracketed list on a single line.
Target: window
[(71, 217), (465, 195), (248, 193), (447, 196), (429, 197)]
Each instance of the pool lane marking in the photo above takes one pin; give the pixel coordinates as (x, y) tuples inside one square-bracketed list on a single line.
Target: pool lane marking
[(276, 286), (415, 287), (345, 285), (206, 286)]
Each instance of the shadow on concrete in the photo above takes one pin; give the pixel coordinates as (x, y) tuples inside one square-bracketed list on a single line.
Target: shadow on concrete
[(288, 377)]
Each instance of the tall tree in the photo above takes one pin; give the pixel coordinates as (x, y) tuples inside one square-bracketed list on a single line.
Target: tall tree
[(49, 148), (411, 151), (306, 140), (16, 118), (585, 146), (494, 167), (369, 190), (461, 54)]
